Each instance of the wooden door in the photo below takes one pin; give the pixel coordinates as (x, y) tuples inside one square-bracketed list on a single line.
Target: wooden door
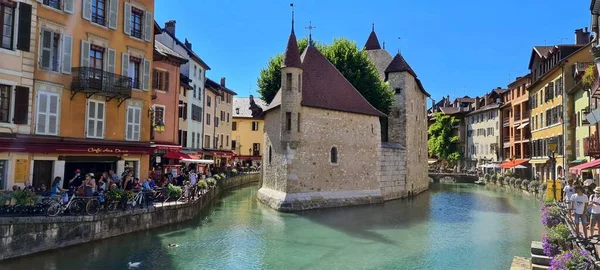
[(42, 173)]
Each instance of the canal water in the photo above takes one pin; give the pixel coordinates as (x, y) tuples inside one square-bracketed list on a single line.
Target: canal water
[(458, 226)]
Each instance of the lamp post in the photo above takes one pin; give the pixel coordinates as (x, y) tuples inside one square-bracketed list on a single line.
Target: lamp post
[(553, 146)]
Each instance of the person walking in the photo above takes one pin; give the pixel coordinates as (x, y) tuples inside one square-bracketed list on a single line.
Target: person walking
[(568, 191), (595, 205), (579, 203)]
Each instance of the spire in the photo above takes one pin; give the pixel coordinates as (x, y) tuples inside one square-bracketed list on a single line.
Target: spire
[(292, 55), (398, 64), (310, 27), (372, 41)]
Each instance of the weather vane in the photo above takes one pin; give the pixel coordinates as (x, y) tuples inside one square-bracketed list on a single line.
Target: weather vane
[(292, 5), (310, 27)]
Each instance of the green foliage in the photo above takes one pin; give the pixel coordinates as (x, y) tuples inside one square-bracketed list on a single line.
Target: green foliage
[(558, 234), (525, 184), (202, 184), (534, 185), (174, 191), (442, 141), (223, 176), (352, 62), (24, 197), (217, 177), (5, 198), (589, 76), (234, 171), (115, 194), (211, 182)]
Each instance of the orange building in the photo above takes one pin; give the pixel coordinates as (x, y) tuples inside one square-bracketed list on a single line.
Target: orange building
[(516, 132), (165, 84), (92, 99)]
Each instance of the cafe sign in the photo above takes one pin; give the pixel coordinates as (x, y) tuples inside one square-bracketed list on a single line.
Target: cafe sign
[(101, 150)]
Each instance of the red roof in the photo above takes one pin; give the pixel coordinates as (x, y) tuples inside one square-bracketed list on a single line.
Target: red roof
[(372, 42)]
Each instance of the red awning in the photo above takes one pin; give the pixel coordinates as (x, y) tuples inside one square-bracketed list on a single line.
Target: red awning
[(512, 163), (589, 165), (34, 144), (222, 153), (167, 147), (178, 155)]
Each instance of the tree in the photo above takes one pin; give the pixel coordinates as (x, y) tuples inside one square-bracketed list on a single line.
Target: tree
[(443, 143), (353, 63)]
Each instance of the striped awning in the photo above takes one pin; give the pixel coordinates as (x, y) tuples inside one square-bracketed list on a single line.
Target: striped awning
[(538, 161)]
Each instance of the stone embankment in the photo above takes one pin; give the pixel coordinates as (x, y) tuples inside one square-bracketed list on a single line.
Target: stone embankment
[(21, 236)]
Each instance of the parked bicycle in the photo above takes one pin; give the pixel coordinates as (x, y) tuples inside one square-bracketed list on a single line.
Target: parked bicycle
[(75, 205)]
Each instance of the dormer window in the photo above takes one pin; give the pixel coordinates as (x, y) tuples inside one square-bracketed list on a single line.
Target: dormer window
[(237, 110)]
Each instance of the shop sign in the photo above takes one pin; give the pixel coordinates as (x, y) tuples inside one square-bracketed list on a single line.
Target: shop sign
[(99, 150)]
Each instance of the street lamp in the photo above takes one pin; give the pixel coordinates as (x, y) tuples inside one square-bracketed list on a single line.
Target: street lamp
[(160, 127), (553, 146)]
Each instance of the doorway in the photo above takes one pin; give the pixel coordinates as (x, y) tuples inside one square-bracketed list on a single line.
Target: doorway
[(42, 173), (97, 168)]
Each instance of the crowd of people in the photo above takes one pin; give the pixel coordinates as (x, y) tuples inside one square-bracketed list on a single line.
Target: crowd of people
[(583, 200)]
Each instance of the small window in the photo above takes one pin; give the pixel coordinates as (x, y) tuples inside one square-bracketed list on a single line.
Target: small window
[(254, 126), (334, 155), (288, 81), (298, 122), (288, 121), (299, 82), (136, 22), (52, 3), (270, 155), (98, 12), (7, 13), (398, 90), (234, 126), (237, 110), (233, 144)]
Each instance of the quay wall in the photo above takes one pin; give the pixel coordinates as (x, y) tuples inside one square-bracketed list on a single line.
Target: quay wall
[(21, 236)]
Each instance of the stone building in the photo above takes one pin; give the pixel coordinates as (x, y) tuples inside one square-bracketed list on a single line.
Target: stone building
[(483, 130), (407, 121), (325, 151)]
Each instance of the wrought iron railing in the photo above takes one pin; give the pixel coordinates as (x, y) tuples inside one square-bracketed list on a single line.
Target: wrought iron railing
[(88, 79)]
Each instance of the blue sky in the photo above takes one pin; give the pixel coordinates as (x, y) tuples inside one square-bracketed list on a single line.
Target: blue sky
[(456, 48)]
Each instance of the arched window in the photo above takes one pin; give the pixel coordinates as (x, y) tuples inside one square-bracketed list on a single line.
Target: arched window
[(334, 155), (270, 155)]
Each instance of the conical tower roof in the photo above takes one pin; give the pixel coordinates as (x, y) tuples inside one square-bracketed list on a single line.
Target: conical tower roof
[(398, 64), (372, 41), (292, 55)]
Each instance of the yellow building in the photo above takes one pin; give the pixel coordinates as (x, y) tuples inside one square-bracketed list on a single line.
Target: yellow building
[(91, 101), (550, 112), (217, 123), (248, 126)]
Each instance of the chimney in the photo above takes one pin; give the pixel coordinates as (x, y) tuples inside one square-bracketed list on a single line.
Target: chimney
[(223, 81), (170, 27), (187, 44), (486, 99), (477, 101), (582, 37)]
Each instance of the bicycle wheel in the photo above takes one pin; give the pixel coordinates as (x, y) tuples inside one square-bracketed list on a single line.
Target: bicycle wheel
[(92, 207), (77, 207), (53, 209)]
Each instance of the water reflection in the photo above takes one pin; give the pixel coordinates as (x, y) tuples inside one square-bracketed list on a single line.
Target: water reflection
[(448, 227)]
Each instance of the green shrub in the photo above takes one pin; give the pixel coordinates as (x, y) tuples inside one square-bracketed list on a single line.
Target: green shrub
[(525, 184), (211, 182), (518, 182), (174, 191), (487, 177), (216, 177), (202, 184), (234, 171), (534, 185), (558, 234), (223, 175)]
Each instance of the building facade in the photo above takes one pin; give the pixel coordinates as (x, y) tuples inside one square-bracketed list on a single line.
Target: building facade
[(218, 122), (195, 72), (580, 106), (247, 138), (17, 51), (549, 104), (483, 133), (516, 129)]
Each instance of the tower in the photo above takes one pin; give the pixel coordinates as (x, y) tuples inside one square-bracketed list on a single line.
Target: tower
[(291, 92)]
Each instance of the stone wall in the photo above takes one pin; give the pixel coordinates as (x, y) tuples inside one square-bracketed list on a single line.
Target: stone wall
[(391, 163), (21, 236), (411, 129)]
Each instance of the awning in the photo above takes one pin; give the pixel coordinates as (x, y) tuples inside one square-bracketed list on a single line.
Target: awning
[(512, 163), (589, 165), (581, 160), (523, 125), (178, 155), (538, 161), (166, 147), (593, 117), (198, 161)]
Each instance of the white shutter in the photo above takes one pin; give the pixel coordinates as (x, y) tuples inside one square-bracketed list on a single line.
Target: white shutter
[(132, 124), (87, 10), (113, 14), (67, 54), (146, 76), (91, 119), (69, 6), (42, 113), (46, 45), (125, 64), (85, 53), (112, 58), (100, 121), (136, 124), (53, 115), (148, 26), (127, 19)]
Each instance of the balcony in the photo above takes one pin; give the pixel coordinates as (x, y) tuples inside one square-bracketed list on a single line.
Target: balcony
[(591, 146), (525, 116), (93, 81)]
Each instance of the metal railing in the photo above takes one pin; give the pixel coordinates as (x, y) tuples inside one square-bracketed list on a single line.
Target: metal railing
[(89, 79)]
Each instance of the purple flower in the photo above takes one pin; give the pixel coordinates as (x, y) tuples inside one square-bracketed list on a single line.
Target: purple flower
[(572, 259), (550, 249)]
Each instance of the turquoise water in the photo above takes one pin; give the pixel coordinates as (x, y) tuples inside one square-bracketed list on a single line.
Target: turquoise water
[(448, 227)]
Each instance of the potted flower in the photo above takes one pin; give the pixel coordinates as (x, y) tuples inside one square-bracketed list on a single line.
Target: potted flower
[(202, 184), (572, 259), (174, 191), (555, 241), (211, 182), (550, 216), (525, 184)]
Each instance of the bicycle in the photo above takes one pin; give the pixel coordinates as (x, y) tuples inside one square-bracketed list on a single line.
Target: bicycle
[(137, 199), (74, 204)]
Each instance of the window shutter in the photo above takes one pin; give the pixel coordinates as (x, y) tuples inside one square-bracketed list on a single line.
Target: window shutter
[(24, 32), (91, 119), (128, 121), (125, 64), (136, 124), (85, 53), (148, 26), (53, 115), (45, 49), (42, 113), (87, 10), (100, 120), (146, 77), (166, 86), (112, 55), (113, 14), (69, 6), (185, 111), (127, 19), (21, 110), (67, 54)]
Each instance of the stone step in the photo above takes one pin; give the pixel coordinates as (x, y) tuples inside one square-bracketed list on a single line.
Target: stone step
[(540, 259), (520, 263), (536, 248), (539, 267)]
